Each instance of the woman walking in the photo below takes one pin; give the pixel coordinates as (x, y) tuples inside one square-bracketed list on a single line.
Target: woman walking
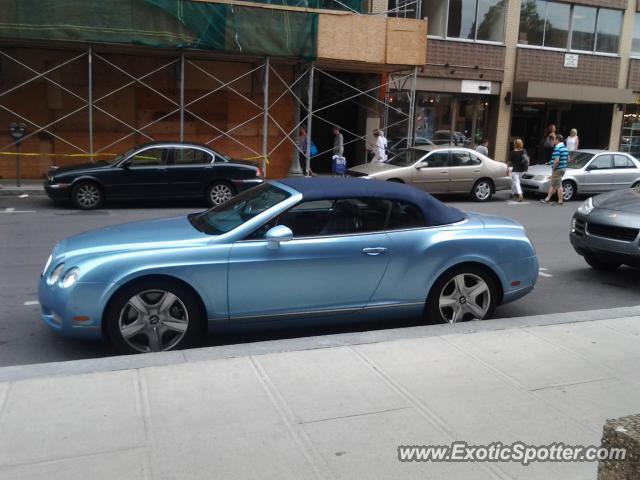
[(572, 141), (519, 163)]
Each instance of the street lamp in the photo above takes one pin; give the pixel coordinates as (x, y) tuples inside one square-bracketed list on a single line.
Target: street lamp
[(17, 132)]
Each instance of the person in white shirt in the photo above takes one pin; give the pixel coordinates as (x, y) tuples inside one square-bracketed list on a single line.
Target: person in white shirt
[(380, 148), (572, 141), (483, 148)]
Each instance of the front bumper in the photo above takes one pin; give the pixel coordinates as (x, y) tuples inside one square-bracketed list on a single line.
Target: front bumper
[(586, 243), (61, 308), (535, 186), (57, 191)]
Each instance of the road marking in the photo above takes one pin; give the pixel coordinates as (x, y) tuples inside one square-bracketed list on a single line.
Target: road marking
[(541, 272), (28, 303), (24, 195), (13, 210), (511, 202)]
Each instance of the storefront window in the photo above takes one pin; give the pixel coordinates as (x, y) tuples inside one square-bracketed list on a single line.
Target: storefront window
[(557, 25), (433, 117), (583, 28), (608, 30), (630, 138)]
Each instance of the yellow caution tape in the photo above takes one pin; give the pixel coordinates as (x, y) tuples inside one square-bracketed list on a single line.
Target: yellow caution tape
[(32, 154), (261, 157)]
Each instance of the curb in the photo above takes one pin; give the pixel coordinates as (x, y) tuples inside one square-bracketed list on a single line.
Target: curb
[(127, 362)]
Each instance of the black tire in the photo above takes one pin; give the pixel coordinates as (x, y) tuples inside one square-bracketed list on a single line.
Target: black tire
[(482, 190), (636, 185), (601, 264), (570, 190), (433, 312), (187, 306), (219, 192), (395, 180), (87, 196)]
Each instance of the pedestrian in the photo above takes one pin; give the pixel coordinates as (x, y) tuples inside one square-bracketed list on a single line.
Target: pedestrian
[(380, 148), (573, 142), (483, 148), (302, 151), (558, 162), (549, 143), (338, 142), (519, 163)]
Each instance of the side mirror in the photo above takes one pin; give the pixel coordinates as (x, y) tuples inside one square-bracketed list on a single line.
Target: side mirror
[(422, 165), (278, 234)]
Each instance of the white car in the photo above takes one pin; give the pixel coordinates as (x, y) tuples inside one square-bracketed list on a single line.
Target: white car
[(588, 171)]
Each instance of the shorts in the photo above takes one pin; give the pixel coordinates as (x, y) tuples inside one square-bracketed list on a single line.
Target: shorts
[(556, 177)]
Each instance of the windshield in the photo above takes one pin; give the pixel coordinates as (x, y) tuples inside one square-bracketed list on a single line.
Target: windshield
[(407, 158), (238, 210), (579, 159)]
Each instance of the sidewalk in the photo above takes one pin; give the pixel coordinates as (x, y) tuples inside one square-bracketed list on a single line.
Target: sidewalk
[(30, 187), (335, 410)]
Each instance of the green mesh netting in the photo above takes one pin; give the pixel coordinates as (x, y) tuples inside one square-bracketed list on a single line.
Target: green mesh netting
[(170, 24)]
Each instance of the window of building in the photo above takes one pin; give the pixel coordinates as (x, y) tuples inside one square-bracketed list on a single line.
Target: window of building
[(574, 27), (635, 44), (465, 19)]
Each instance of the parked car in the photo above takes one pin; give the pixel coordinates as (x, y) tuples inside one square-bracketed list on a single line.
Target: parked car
[(441, 170), (605, 228), (449, 138), (396, 145), (588, 171), (305, 249), (159, 170)]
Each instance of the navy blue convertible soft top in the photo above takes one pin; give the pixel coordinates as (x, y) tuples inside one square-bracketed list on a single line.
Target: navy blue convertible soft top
[(434, 211)]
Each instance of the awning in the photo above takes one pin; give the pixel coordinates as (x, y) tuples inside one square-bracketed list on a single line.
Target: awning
[(562, 92)]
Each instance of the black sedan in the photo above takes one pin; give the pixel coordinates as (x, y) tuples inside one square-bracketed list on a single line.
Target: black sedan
[(159, 170), (605, 229)]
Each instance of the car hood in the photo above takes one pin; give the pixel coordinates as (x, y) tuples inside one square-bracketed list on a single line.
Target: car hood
[(374, 167), (142, 235), (627, 200), (539, 170), (80, 168)]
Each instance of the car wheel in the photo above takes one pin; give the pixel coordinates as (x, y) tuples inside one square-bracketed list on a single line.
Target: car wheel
[(87, 196), (219, 193), (636, 185), (153, 316), (395, 180), (568, 190), (462, 293), (482, 190), (601, 264)]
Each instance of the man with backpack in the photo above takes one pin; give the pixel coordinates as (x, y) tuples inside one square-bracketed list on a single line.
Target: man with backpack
[(519, 163)]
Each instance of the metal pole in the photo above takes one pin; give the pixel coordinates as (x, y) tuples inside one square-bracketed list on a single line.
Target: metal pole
[(90, 101), (18, 176), (295, 168), (265, 118), (309, 120), (182, 96), (412, 106)]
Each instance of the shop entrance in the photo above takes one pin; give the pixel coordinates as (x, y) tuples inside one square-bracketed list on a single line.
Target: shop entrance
[(591, 120)]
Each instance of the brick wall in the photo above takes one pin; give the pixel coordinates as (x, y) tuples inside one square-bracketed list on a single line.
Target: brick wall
[(548, 66), (462, 59), (634, 75)]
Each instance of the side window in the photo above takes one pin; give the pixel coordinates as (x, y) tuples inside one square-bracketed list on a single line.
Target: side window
[(601, 163), (191, 156), (438, 160), (620, 161), (149, 157), (404, 215), (464, 159)]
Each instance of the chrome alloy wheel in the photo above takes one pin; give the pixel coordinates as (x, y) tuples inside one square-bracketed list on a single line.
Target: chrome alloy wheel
[(464, 297), (88, 195), (153, 321), (483, 191), (567, 191), (220, 193)]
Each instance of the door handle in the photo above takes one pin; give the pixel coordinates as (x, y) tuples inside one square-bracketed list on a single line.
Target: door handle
[(444, 172), (373, 251)]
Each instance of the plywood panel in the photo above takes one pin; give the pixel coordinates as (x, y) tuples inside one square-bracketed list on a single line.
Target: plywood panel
[(406, 41), (352, 37)]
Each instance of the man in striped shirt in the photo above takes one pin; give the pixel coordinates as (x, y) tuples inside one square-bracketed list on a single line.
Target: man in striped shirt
[(559, 159)]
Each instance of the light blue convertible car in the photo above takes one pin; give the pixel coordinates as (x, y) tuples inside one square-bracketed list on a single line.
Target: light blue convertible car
[(297, 249)]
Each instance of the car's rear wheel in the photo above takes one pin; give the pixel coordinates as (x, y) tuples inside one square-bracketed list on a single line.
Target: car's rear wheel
[(218, 193), (568, 190), (636, 185), (153, 315), (601, 264), (462, 293), (482, 190), (87, 196)]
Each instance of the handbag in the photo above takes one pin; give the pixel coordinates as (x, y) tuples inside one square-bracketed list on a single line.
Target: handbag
[(313, 150)]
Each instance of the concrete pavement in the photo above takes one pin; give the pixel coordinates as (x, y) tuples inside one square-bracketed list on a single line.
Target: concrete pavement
[(8, 188), (328, 410)]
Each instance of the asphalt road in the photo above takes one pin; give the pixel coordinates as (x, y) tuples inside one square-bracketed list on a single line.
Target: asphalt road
[(30, 227)]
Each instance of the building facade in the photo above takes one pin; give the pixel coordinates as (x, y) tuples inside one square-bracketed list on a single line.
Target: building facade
[(506, 69)]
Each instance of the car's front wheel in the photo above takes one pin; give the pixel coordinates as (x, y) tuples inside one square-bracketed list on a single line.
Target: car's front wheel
[(482, 190), (87, 196), (568, 190), (153, 315), (219, 193), (601, 264), (462, 293)]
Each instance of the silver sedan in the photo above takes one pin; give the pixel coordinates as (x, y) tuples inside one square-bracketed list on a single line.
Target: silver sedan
[(442, 170), (588, 171)]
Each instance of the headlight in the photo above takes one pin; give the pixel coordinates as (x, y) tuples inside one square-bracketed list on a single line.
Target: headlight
[(542, 178), (587, 206), (55, 275), (46, 265), (70, 277)]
